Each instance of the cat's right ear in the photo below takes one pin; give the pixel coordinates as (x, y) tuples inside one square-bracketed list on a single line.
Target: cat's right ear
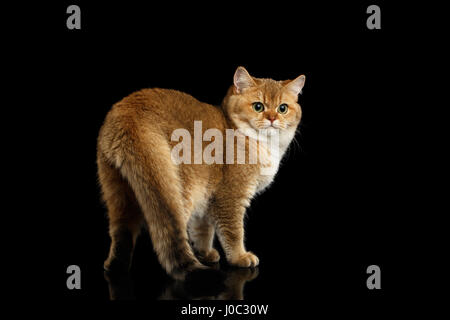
[(242, 80)]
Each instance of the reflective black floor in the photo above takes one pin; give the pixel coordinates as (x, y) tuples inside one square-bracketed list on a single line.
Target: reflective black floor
[(214, 284)]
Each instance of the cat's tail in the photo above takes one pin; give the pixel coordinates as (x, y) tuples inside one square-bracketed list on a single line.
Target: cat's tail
[(142, 155)]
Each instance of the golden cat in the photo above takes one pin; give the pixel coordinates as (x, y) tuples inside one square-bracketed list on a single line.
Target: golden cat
[(188, 203)]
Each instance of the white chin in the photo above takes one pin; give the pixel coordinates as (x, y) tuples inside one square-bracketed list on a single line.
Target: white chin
[(271, 131)]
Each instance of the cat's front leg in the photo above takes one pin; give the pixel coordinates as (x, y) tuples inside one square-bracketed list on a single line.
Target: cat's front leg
[(229, 220), (201, 234)]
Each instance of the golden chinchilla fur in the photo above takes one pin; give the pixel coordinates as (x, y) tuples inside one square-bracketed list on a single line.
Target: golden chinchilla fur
[(184, 204)]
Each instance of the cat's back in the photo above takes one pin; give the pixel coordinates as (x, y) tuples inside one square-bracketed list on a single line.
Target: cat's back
[(144, 122), (168, 109)]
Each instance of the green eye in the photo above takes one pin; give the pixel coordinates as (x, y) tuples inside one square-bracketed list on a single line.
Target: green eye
[(258, 107), (283, 108)]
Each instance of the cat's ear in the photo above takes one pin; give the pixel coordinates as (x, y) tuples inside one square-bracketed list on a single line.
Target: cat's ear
[(242, 80), (295, 86)]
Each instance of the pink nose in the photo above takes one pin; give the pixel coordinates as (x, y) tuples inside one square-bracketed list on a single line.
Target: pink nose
[(272, 118)]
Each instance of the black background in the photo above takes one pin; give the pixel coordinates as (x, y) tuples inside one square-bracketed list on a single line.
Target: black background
[(340, 202)]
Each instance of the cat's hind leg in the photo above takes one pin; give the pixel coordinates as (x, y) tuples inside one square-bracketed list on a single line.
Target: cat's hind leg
[(125, 217), (145, 161)]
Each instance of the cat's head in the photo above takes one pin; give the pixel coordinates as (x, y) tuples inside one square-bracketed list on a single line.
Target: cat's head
[(264, 104)]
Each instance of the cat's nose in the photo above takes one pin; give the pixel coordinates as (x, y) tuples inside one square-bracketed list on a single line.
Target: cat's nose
[(272, 118)]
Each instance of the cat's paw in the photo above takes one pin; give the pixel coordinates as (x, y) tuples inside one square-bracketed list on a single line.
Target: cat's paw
[(212, 256), (245, 260)]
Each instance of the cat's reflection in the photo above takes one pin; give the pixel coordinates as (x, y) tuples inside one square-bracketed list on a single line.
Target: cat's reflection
[(120, 286), (222, 285)]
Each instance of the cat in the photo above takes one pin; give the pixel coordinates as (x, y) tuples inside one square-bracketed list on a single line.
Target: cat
[(185, 205)]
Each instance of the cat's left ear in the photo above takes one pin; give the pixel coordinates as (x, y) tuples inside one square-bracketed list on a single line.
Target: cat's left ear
[(295, 86), (242, 80)]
